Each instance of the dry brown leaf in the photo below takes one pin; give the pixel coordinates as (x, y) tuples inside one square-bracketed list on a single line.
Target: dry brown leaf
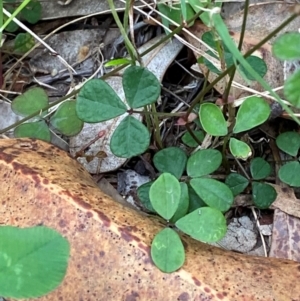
[(285, 236), (286, 225), (110, 243), (286, 201)]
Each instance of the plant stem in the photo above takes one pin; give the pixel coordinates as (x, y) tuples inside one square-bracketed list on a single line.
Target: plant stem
[(130, 48), (243, 29), (230, 109), (1, 20), (156, 126), (13, 15), (171, 34), (147, 117), (187, 126), (161, 115), (126, 14)]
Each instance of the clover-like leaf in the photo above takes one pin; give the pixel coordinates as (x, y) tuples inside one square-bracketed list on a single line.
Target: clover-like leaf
[(253, 112), (190, 141), (65, 119), (236, 182), (289, 142), (212, 120), (289, 173), (167, 251), (97, 102), (258, 64), (204, 224), (38, 130), (33, 100), (214, 193), (287, 46), (263, 195), (32, 11), (210, 38), (259, 168), (171, 160), (239, 149), (131, 138), (12, 26), (165, 195), (203, 162), (143, 195), (23, 42), (211, 67), (141, 86), (291, 89)]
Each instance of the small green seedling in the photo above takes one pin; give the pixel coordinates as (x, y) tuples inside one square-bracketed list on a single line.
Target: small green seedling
[(203, 219), (178, 202), (253, 112), (97, 102), (263, 194)]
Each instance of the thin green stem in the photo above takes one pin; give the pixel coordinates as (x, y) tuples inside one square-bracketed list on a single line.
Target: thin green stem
[(156, 128), (187, 126), (160, 115), (230, 109), (13, 15), (232, 73), (130, 48), (1, 19), (243, 29), (126, 15), (220, 50), (147, 117), (171, 34)]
